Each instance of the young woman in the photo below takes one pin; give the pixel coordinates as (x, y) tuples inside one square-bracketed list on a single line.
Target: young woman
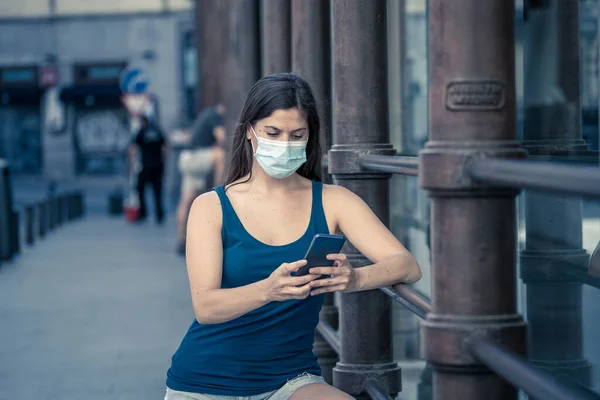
[(255, 323)]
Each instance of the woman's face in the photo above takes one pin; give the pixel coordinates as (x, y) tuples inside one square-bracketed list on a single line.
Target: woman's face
[(282, 125)]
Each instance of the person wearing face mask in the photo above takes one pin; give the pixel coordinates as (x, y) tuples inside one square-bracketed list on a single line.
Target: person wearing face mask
[(254, 326)]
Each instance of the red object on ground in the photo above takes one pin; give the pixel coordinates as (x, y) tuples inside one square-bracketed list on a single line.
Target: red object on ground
[(131, 213)]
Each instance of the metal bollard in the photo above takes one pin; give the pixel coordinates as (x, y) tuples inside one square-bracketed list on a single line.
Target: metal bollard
[(42, 219), (73, 197), (62, 212), (29, 216), (6, 247), (15, 233), (49, 215), (57, 211), (81, 204)]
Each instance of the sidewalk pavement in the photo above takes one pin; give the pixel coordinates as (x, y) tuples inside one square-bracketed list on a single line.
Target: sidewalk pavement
[(94, 311)]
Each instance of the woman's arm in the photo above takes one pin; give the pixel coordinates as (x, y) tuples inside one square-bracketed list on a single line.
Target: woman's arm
[(204, 256), (392, 262)]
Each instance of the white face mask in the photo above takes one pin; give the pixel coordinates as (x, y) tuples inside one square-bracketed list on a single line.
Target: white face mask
[(279, 159)]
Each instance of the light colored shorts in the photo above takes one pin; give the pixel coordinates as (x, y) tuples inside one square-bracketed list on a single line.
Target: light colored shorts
[(282, 393), (195, 166)]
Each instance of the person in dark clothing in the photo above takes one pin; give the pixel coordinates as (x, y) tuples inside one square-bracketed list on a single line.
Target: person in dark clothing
[(151, 143)]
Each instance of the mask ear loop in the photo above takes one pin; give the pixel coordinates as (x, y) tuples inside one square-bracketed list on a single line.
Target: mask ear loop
[(250, 139)]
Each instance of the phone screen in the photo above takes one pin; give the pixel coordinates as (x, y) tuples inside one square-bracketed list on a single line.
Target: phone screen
[(321, 246)]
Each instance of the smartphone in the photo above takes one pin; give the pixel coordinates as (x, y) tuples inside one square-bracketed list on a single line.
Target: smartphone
[(321, 246)]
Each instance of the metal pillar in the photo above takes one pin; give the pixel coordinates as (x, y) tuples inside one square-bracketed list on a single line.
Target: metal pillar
[(473, 227), (242, 64), (361, 126), (276, 36), (553, 223), (311, 55), (212, 37)]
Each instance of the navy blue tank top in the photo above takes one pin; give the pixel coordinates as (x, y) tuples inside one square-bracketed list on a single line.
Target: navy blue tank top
[(259, 351)]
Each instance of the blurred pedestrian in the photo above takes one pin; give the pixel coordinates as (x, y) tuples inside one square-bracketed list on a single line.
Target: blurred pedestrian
[(201, 163), (149, 142)]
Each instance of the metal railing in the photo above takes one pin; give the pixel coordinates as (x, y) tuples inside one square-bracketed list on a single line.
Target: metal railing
[(516, 174), (391, 164)]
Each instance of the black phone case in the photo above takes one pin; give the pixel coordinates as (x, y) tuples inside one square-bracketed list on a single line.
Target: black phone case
[(320, 247)]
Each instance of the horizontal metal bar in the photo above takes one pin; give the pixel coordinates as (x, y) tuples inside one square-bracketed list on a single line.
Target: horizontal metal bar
[(543, 176), (391, 164), (330, 336), (409, 298), (581, 275), (534, 381), (375, 390)]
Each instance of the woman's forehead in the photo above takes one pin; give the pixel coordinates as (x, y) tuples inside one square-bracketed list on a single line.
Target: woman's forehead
[(289, 119)]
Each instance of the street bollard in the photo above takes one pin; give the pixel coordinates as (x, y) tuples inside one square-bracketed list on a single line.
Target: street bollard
[(81, 204), (49, 214), (42, 219), (29, 216), (6, 248), (15, 233), (58, 211), (62, 203)]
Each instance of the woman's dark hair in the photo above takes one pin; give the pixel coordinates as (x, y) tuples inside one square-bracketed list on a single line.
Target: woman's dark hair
[(280, 91)]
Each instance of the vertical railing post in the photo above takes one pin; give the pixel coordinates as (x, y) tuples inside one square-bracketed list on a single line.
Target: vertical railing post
[(310, 55), (554, 224), (473, 226), (327, 356), (275, 27), (360, 104)]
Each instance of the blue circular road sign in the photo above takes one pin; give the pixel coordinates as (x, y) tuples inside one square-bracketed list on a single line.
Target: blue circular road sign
[(134, 80)]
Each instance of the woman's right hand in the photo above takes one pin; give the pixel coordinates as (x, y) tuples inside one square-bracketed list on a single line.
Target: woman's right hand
[(281, 286)]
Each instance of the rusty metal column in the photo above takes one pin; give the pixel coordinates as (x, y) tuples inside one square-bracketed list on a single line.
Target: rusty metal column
[(242, 66), (473, 227), (361, 127), (212, 37), (275, 27), (311, 56), (554, 223), (229, 53)]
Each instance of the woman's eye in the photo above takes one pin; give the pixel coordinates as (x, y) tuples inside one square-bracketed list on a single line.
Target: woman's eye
[(272, 134), (298, 137)]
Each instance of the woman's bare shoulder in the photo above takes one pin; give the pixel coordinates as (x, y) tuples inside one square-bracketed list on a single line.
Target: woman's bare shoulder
[(337, 192), (206, 208)]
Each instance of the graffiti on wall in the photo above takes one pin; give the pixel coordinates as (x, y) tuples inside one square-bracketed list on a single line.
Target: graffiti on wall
[(20, 138), (102, 140)]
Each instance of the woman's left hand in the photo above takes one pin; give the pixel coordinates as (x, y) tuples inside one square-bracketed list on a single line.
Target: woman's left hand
[(342, 276)]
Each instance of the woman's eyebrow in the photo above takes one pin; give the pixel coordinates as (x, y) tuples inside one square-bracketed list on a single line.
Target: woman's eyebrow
[(279, 130)]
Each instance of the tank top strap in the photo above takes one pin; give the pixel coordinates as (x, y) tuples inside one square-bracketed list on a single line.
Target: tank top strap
[(226, 210), (318, 213)]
